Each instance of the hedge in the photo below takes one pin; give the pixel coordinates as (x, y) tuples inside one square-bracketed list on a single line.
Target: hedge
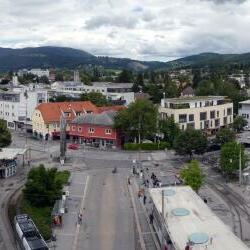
[(146, 146)]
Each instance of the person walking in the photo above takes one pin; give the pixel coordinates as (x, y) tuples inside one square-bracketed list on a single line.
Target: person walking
[(151, 218), (144, 199)]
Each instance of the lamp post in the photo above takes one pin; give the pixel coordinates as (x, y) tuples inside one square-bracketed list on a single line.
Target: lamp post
[(240, 167), (163, 220)]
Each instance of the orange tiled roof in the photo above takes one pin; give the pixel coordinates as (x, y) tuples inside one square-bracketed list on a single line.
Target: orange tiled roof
[(51, 112)]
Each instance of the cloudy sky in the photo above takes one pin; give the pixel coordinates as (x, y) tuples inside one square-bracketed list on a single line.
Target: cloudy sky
[(139, 29)]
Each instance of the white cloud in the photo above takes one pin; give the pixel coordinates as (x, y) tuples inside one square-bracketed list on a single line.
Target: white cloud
[(141, 29)]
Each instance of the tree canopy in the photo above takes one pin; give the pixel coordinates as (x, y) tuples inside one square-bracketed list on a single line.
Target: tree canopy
[(5, 135), (190, 141), (239, 123), (192, 175), (229, 158), (42, 187), (125, 76), (138, 120), (170, 129), (224, 135), (97, 98)]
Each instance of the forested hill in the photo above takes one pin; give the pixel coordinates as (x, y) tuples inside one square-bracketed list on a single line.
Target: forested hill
[(62, 57), (211, 60)]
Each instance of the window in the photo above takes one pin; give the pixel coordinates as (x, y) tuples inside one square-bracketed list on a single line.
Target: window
[(47, 126), (79, 129), (201, 125), (200, 104), (108, 131), (217, 123), (218, 113), (203, 116), (182, 118), (182, 127), (91, 130), (224, 112), (212, 114), (225, 120), (191, 117), (211, 123), (196, 104), (229, 111), (54, 125)]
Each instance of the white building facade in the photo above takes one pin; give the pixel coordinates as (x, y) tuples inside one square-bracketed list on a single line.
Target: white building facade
[(206, 113), (18, 103), (116, 92), (244, 110)]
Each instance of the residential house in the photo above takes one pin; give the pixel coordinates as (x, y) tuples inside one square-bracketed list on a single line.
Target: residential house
[(46, 117), (96, 130)]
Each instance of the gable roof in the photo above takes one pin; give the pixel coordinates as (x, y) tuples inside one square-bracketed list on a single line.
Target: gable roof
[(105, 118), (51, 112)]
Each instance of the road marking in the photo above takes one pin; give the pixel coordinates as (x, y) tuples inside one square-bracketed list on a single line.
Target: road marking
[(81, 209)]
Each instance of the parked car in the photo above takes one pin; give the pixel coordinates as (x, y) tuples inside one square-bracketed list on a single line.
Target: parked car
[(73, 146)]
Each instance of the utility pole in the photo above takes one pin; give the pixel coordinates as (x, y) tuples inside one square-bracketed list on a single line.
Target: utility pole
[(26, 117), (240, 167), (163, 219)]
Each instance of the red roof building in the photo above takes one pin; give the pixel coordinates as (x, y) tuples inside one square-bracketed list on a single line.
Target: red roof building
[(96, 130)]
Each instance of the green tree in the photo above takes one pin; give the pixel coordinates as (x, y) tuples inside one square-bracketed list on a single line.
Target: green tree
[(229, 157), (139, 79), (224, 135), (125, 76), (192, 175), (239, 123), (190, 141), (197, 78), (97, 98), (154, 91), (138, 120), (171, 90), (59, 77), (205, 88), (170, 129), (5, 135), (44, 79), (42, 187)]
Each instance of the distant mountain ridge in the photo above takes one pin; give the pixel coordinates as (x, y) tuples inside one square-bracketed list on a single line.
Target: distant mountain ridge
[(63, 57), (210, 60)]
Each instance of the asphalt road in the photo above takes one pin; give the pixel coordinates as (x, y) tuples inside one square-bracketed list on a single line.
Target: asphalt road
[(108, 216)]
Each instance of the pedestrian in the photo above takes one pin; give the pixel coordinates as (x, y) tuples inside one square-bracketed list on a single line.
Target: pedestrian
[(151, 218), (134, 171), (129, 182), (144, 199), (79, 218)]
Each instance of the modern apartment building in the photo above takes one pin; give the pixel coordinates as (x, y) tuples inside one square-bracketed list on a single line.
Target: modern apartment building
[(19, 103), (207, 113), (244, 110)]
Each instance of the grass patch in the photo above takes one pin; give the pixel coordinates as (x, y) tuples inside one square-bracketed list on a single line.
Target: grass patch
[(40, 215)]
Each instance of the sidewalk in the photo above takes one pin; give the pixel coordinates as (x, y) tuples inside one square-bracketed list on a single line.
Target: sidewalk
[(66, 235), (149, 235)]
